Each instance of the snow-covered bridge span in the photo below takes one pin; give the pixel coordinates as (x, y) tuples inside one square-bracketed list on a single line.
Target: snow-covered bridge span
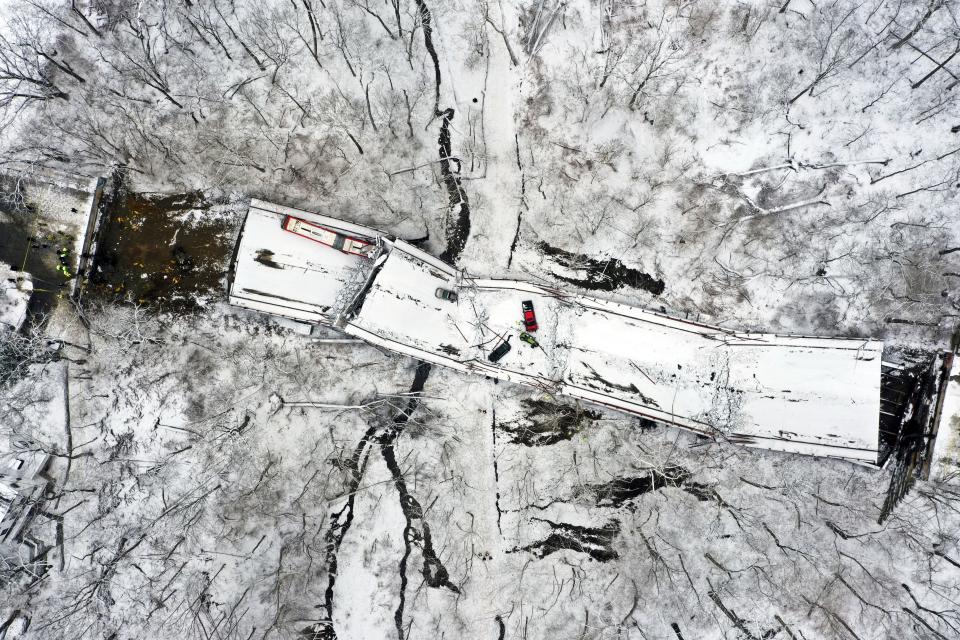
[(818, 396)]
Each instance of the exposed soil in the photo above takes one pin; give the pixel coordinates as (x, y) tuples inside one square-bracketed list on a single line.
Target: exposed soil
[(149, 251), (622, 490), (546, 422), (600, 275), (597, 542)]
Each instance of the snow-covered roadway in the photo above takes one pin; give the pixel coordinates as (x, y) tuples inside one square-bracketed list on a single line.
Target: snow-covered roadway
[(818, 396)]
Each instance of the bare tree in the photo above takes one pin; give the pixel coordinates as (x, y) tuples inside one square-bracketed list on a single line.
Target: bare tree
[(26, 72), (836, 40), (145, 61)]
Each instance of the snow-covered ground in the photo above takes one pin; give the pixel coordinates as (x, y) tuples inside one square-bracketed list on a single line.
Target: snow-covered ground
[(783, 167), (946, 454), (216, 446), (15, 290)]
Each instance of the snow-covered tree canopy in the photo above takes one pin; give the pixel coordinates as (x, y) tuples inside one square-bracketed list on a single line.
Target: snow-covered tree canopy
[(778, 166)]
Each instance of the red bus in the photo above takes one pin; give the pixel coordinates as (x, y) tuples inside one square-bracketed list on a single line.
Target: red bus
[(329, 237)]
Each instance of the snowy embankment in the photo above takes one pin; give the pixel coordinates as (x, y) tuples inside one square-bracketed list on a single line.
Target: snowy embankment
[(946, 453), (15, 290)]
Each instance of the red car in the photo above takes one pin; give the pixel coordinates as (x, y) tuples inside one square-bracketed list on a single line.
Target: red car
[(529, 317)]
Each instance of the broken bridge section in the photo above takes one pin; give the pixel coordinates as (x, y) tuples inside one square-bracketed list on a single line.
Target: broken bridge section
[(288, 275), (818, 396), (810, 395)]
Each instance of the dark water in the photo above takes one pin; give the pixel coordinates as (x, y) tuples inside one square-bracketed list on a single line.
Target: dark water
[(29, 244), (149, 254)]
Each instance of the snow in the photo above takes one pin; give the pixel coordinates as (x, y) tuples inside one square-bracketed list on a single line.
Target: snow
[(945, 461), (157, 410), (368, 574), (22, 484), (498, 186), (46, 415), (15, 290), (402, 305), (818, 396)]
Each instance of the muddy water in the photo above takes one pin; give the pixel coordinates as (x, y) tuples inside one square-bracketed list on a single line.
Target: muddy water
[(28, 244), (170, 251)]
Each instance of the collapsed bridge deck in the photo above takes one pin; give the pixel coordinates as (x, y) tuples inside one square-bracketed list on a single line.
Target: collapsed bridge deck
[(818, 396)]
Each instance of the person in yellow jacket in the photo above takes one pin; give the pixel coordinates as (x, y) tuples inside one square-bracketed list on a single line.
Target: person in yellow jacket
[(63, 255)]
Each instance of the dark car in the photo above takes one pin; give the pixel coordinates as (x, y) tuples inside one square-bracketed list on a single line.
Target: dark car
[(529, 317), (446, 294), (502, 349)]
